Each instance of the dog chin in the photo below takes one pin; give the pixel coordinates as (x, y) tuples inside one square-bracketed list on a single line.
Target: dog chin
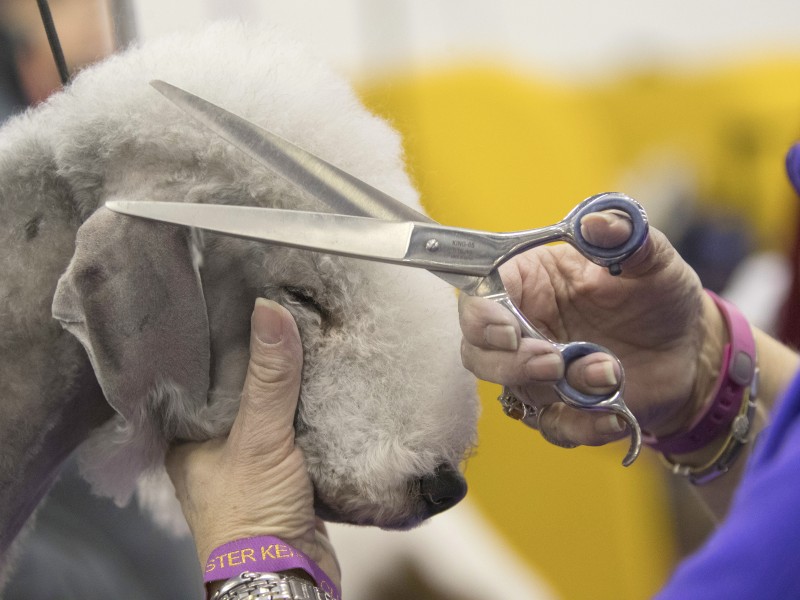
[(408, 519), (437, 493)]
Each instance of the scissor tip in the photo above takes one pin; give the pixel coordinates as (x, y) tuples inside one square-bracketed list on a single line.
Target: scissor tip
[(119, 206)]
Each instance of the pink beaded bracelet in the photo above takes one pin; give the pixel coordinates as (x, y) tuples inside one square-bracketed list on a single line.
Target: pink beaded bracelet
[(735, 377)]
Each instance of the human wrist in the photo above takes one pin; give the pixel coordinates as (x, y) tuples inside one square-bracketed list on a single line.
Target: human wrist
[(314, 544), (716, 336), (712, 442), (213, 587), (250, 585), (708, 455), (268, 554), (284, 507), (713, 336)]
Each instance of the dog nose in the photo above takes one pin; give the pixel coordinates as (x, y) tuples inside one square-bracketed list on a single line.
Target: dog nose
[(442, 489)]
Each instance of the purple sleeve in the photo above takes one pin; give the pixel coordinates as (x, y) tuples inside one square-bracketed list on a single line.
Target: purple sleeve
[(755, 553)]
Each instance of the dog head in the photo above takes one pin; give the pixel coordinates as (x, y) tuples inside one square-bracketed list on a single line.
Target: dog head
[(386, 412)]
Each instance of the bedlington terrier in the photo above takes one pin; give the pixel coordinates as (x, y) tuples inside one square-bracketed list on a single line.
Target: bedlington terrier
[(386, 413)]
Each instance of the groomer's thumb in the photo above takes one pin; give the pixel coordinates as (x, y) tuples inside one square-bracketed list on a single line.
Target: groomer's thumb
[(272, 386), (608, 229)]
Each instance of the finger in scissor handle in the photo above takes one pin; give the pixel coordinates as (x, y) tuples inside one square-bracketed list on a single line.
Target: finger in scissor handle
[(609, 229), (596, 373), (606, 229), (494, 349), (602, 368)]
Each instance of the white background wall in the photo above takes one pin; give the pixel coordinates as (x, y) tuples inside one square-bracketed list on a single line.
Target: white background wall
[(568, 38)]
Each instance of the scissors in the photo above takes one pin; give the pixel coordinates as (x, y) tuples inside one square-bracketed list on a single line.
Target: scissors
[(374, 226)]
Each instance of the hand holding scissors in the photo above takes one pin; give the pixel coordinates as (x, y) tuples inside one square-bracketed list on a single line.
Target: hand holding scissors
[(395, 233)]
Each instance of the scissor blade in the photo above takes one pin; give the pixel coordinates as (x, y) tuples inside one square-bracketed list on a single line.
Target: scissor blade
[(343, 192), (359, 237)]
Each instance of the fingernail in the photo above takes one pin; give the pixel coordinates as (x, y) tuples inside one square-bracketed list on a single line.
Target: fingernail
[(267, 321), (608, 424), (545, 367), (600, 375), (502, 337)]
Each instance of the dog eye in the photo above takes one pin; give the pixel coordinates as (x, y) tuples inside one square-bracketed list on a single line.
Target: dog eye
[(301, 297)]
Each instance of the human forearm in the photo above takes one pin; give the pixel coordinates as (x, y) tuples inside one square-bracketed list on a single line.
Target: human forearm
[(778, 365)]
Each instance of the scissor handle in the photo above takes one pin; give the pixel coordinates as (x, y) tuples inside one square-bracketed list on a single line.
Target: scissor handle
[(612, 403), (609, 257), (570, 353)]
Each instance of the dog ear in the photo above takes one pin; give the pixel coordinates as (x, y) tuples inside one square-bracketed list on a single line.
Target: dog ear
[(133, 298)]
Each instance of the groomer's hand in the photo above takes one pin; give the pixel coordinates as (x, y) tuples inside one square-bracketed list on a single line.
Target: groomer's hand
[(255, 481), (655, 317)]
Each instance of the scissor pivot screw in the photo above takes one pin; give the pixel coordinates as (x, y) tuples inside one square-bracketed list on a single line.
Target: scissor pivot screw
[(432, 245)]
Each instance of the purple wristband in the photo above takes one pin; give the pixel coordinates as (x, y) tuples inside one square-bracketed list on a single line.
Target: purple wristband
[(738, 367), (263, 554)]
